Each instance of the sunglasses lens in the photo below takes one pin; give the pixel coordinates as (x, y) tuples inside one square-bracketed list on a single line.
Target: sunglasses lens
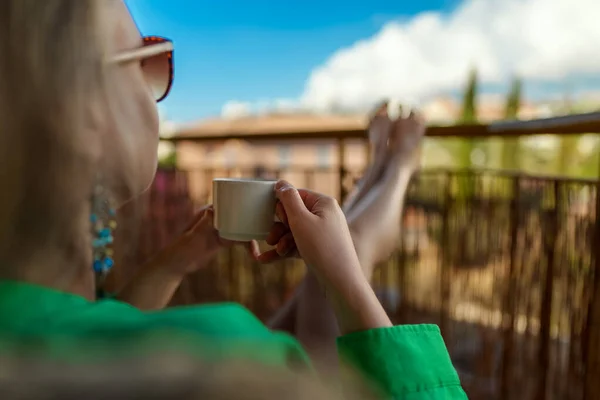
[(157, 72)]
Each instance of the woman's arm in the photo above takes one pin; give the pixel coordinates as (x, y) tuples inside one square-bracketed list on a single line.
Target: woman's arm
[(156, 282), (153, 287), (374, 215), (403, 362)]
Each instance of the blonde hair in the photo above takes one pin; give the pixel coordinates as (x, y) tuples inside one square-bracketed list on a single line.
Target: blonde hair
[(52, 79)]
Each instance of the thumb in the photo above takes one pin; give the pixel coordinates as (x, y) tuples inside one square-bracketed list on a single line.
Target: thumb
[(199, 216), (205, 224), (290, 198)]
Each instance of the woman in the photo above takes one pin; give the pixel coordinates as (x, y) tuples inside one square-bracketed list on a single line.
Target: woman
[(79, 136)]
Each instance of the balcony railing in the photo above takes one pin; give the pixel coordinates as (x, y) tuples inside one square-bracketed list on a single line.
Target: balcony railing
[(509, 270)]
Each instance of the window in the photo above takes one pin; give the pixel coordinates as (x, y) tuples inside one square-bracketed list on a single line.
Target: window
[(228, 157), (323, 155), (285, 156)]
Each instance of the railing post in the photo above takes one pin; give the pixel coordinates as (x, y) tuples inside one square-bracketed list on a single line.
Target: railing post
[(550, 232), (446, 273), (508, 317), (591, 348)]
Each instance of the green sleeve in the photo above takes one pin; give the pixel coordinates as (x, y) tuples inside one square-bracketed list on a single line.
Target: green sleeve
[(406, 362)]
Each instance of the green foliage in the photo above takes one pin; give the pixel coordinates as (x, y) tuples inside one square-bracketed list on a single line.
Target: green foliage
[(568, 152), (469, 116), (589, 166), (469, 110), (511, 149), (513, 101), (567, 155), (168, 162), (521, 154)]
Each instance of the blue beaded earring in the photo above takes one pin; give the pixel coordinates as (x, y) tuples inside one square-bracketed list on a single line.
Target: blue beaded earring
[(103, 223)]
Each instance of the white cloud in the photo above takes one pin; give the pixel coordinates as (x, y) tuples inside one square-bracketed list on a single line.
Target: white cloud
[(165, 149), (167, 129), (236, 109), (432, 53)]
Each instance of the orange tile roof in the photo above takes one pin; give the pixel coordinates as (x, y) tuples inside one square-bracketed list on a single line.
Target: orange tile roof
[(273, 123)]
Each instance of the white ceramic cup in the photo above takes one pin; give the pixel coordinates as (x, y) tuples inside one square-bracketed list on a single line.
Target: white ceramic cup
[(244, 208)]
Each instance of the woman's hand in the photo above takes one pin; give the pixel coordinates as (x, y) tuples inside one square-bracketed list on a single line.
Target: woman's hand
[(406, 137), (153, 287), (197, 246), (315, 225)]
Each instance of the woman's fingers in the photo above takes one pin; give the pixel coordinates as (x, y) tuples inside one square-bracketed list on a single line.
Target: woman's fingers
[(280, 213), (277, 232), (283, 241), (253, 249), (285, 247), (268, 257), (291, 200), (200, 214), (271, 256)]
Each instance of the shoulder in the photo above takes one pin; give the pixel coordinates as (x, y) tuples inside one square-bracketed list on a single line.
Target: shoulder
[(114, 316), (224, 319), (31, 310), (211, 331), (227, 329)]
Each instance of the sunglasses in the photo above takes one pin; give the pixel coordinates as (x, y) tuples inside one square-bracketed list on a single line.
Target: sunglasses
[(156, 58)]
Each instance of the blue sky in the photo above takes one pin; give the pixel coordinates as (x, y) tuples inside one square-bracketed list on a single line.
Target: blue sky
[(262, 49)]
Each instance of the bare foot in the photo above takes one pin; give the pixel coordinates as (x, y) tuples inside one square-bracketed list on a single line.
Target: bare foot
[(378, 133), (406, 137), (375, 220)]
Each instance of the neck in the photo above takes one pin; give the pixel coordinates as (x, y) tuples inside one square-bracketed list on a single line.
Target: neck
[(63, 263), (79, 281)]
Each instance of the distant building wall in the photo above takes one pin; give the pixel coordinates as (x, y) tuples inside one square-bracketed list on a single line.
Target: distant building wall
[(293, 158)]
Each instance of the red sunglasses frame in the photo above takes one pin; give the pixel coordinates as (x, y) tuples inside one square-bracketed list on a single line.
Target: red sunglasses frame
[(151, 40)]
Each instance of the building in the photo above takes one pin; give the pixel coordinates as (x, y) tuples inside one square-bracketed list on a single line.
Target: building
[(292, 159), (245, 155)]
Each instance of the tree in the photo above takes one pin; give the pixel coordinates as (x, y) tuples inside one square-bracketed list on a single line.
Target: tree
[(511, 146), (167, 154), (513, 102), (567, 155), (466, 186), (469, 111), (568, 149), (469, 116)]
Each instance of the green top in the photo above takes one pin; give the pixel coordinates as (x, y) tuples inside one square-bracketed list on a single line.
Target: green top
[(407, 362)]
